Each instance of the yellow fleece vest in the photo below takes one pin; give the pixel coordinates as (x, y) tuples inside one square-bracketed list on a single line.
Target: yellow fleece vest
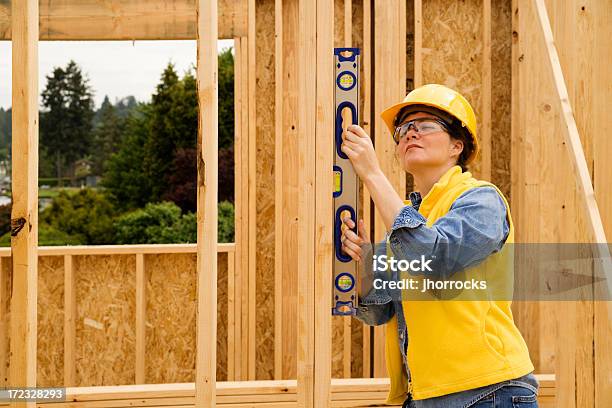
[(463, 343)]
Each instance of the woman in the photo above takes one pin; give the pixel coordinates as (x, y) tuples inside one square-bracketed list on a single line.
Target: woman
[(443, 348)]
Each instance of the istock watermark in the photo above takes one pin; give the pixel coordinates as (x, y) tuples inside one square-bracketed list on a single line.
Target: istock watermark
[(383, 263), (519, 271)]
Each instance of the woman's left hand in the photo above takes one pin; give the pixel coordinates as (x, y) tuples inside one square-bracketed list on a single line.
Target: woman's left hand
[(358, 147)]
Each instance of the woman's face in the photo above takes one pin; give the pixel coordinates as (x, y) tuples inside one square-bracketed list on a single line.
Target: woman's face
[(416, 152)]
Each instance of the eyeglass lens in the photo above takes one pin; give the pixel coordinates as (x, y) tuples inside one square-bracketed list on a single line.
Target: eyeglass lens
[(422, 126)]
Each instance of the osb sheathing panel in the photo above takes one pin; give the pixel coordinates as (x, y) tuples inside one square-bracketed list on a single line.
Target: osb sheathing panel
[(222, 315), (338, 23), (105, 334), (50, 314), (5, 317), (171, 318), (337, 346), (452, 49), (264, 317), (356, 349), (105, 326), (501, 93)]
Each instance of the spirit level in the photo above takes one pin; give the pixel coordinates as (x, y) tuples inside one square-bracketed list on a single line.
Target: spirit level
[(346, 183)]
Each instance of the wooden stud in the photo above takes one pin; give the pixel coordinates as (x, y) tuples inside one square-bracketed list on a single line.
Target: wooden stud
[(526, 314), (239, 202), (287, 188), (323, 192), (366, 63), (70, 316), (306, 169), (206, 351), (390, 77), (599, 15), (486, 108), (141, 313), (252, 215), (348, 22), (126, 20), (24, 213), (278, 190), (246, 197)]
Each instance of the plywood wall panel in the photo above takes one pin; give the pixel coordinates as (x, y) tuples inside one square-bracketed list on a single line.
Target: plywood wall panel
[(105, 326), (264, 336), (501, 87), (452, 50), (50, 345)]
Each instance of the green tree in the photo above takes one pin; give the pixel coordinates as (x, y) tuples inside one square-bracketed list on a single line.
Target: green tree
[(65, 122), (173, 124), (125, 176), (6, 129), (226, 98), (106, 135), (125, 106), (159, 164)]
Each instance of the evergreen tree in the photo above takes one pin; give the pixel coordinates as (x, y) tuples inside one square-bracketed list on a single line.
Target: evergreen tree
[(106, 135), (5, 127), (157, 159), (65, 124), (125, 106), (125, 175), (226, 98), (174, 125)]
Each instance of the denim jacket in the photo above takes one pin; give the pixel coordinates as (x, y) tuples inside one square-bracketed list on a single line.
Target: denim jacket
[(475, 226)]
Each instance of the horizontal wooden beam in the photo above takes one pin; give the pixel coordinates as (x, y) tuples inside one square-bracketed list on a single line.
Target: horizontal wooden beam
[(120, 249), (104, 20), (355, 392)]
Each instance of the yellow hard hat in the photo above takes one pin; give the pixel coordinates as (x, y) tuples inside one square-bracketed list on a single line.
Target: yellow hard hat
[(443, 99)]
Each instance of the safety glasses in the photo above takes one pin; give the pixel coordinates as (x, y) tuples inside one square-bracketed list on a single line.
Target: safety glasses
[(422, 126)]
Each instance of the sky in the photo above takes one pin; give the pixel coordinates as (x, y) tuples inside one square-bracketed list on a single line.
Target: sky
[(114, 68)]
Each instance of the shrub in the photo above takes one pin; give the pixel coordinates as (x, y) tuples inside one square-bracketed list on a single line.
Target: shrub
[(86, 215), (162, 223)]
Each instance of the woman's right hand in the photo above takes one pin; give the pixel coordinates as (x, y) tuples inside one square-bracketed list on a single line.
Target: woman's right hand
[(352, 243)]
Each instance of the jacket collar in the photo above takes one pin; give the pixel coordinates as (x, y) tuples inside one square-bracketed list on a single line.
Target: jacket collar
[(451, 178)]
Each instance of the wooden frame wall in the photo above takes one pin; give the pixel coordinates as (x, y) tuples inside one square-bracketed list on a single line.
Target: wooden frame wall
[(314, 40)]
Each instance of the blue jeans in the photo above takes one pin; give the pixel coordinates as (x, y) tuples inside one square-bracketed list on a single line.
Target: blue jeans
[(509, 396), (506, 394)]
